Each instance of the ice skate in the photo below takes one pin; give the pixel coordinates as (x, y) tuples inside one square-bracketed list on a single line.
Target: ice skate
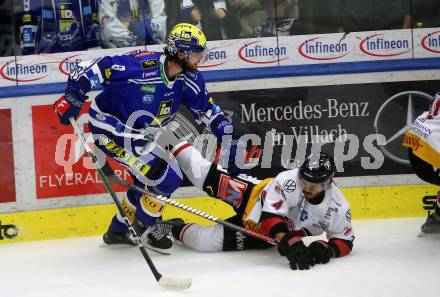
[(172, 227), (153, 235), (111, 238), (156, 238), (432, 223)]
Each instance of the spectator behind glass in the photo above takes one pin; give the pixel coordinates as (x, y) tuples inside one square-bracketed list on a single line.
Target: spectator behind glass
[(52, 26), (215, 18), (6, 29), (369, 15), (250, 13), (426, 13), (278, 22), (316, 16), (126, 23)]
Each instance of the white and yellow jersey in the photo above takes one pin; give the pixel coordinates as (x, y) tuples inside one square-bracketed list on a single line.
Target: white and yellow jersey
[(283, 196), (424, 136)]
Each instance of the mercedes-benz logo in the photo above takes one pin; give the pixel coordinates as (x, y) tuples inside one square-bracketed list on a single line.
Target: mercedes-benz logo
[(395, 117)]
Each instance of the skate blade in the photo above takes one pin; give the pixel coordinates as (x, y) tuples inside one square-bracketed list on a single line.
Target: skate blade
[(126, 246), (432, 235), (153, 249)]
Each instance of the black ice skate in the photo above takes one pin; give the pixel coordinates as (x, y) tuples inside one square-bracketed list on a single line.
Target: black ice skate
[(158, 239), (153, 235), (432, 223), (117, 238), (172, 227)]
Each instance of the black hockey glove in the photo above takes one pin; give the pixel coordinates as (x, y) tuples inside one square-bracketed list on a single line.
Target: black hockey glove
[(321, 251), (296, 252)]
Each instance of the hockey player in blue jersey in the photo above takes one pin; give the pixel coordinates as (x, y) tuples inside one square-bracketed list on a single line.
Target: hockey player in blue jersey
[(142, 92)]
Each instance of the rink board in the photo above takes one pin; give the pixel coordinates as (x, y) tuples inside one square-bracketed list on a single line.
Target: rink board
[(44, 196), (366, 203)]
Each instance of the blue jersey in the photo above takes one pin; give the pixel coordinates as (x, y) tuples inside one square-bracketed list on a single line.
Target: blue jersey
[(137, 88), (50, 26)]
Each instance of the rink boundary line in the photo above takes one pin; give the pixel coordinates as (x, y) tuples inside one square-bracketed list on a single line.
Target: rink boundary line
[(366, 203), (217, 76)]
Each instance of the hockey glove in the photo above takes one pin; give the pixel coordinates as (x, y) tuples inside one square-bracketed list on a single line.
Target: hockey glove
[(296, 252), (69, 105), (321, 251), (220, 126)]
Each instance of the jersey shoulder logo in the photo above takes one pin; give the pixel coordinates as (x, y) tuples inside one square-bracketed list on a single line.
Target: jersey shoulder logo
[(147, 64), (289, 186)]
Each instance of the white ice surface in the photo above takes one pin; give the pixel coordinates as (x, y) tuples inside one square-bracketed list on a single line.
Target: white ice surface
[(388, 260)]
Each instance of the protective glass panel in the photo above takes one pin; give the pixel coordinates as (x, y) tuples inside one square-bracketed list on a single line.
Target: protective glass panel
[(6, 29)]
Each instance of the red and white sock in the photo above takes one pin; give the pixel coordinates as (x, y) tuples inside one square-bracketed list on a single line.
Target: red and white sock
[(192, 163)]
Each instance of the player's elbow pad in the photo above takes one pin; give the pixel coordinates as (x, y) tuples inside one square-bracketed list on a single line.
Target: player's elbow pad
[(272, 224)]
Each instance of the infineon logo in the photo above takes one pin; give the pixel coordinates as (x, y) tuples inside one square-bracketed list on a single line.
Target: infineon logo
[(67, 64), (376, 45), (15, 71), (213, 58), (319, 49), (431, 42), (257, 54)]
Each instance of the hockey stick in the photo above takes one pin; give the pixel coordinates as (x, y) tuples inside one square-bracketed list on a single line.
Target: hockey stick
[(163, 281), (111, 175)]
